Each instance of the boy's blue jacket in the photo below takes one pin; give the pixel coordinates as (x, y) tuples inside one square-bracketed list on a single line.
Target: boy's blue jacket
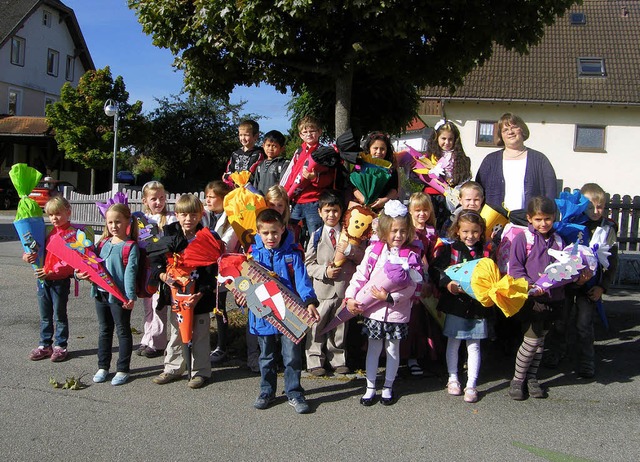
[(279, 260)]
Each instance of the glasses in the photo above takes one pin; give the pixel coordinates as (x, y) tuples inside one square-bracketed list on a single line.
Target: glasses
[(508, 128)]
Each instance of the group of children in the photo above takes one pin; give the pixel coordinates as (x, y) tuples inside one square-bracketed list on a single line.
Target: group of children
[(404, 260)]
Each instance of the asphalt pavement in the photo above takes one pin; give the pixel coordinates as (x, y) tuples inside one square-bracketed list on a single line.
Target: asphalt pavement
[(581, 419)]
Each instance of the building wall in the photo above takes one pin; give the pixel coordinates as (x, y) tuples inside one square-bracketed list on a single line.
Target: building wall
[(552, 130)]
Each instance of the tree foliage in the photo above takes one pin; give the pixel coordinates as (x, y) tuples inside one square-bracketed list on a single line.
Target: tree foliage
[(324, 45), (191, 141)]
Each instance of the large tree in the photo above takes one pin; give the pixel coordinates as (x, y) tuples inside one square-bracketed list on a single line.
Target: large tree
[(323, 44), (82, 129)]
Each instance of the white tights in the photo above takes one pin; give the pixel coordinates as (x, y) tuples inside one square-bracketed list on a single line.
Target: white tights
[(473, 360), (393, 362)]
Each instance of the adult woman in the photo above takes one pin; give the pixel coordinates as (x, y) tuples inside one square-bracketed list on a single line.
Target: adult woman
[(515, 174)]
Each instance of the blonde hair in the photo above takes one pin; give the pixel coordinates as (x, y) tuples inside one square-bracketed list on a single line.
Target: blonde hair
[(594, 193), (472, 186), (56, 204), (188, 203), (147, 189), (125, 211), (420, 199), (278, 193), (384, 227)]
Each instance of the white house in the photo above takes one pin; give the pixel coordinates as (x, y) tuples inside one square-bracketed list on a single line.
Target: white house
[(578, 90)]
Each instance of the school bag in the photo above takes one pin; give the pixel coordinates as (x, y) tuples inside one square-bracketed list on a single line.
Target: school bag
[(374, 254), (145, 288)]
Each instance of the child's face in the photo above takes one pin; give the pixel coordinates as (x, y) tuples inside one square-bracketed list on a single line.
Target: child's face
[(247, 139), (419, 215), (398, 233), (378, 149), (595, 209), (330, 215), (471, 199), (189, 221), (279, 205), (446, 140), (155, 199), (310, 135), (117, 224), (541, 222), (60, 217), (469, 233), (271, 234), (272, 149), (214, 203)]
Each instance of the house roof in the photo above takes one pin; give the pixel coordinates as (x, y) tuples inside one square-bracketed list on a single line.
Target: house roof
[(549, 73), (24, 126), (16, 12), (415, 125)]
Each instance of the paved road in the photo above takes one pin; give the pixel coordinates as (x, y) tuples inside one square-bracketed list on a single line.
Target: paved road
[(594, 420)]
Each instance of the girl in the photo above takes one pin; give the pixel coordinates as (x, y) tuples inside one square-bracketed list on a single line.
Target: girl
[(278, 200), (378, 145), (465, 317), (452, 164), (528, 258), (215, 219), (154, 339), (387, 318), (120, 228)]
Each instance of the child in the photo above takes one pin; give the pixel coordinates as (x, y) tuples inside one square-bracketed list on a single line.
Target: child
[(176, 238), (386, 320), (275, 250), (465, 317), (53, 288), (154, 339), (305, 199), (378, 145), (277, 199), (119, 228), (528, 258), (329, 284), (216, 220), (248, 156), (471, 198), (269, 171)]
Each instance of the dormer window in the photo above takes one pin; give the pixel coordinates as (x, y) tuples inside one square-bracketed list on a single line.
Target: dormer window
[(46, 18), (591, 67), (577, 19)]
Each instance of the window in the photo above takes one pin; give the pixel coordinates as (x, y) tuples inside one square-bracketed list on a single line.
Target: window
[(15, 102), (17, 51), (589, 138), (68, 73), (48, 100), (485, 135), (591, 67), (578, 19), (46, 18), (53, 58)]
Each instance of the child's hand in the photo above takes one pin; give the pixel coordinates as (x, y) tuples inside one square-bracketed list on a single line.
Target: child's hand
[(193, 299), (354, 307), (308, 174), (82, 275), (595, 293), (313, 312), (454, 288), (379, 294), (333, 271), (585, 275), (41, 274), (29, 257), (535, 291), (128, 305)]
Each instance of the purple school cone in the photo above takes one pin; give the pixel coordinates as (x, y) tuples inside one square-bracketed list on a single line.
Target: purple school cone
[(341, 316)]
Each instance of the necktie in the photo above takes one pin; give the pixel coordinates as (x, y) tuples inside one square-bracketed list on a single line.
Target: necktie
[(332, 236)]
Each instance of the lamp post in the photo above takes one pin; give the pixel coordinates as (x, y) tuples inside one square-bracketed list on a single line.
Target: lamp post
[(112, 110)]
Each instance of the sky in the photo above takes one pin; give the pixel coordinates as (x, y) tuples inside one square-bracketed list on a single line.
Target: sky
[(115, 39)]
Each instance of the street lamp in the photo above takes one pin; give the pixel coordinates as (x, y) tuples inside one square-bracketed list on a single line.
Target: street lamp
[(111, 109)]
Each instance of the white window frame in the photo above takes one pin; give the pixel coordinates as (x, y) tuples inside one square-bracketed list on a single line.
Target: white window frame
[(47, 18), (586, 148), (587, 65), (70, 66), (53, 62), (18, 101), (18, 46), (481, 133)]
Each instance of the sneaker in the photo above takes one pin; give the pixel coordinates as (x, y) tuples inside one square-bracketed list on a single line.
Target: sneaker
[(120, 378), (534, 388), (263, 401), (100, 376), (41, 352), (59, 354), (317, 371), (299, 404), (342, 370), (165, 378), (415, 369), (470, 395), (149, 352), (454, 388), (196, 382), (217, 356), (515, 390), (140, 349)]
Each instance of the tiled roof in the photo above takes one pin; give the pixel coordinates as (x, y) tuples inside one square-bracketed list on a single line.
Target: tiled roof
[(549, 73), (24, 126), (415, 125)]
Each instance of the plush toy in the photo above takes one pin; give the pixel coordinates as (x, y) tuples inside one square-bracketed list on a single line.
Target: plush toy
[(356, 227)]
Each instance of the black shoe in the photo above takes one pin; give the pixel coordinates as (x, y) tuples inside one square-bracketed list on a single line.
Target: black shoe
[(368, 401), (387, 401)]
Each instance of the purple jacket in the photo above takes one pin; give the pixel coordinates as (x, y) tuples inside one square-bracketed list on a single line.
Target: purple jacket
[(539, 178)]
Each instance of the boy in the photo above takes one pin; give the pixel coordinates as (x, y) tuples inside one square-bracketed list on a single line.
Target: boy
[(319, 177), (581, 301), (248, 156), (329, 283), (275, 250), (471, 196), (176, 238), (53, 289), (270, 170)]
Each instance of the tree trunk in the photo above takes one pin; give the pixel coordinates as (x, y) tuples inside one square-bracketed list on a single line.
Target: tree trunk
[(92, 188), (344, 84)]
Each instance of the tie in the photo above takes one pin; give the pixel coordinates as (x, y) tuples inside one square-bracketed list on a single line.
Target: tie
[(332, 236), (212, 221)]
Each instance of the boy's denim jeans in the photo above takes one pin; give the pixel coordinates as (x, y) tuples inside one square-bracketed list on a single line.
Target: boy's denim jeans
[(309, 213), (111, 316), (292, 358), (52, 301)]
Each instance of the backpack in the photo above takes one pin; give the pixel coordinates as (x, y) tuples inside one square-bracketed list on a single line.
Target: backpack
[(145, 288)]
